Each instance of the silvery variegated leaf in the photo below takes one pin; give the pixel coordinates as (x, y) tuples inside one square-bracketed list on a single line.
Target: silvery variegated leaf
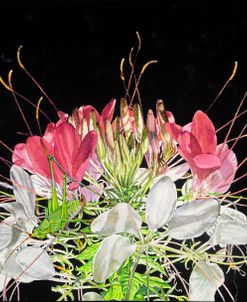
[(23, 190), (160, 203), (12, 270), (121, 218), (220, 255), (204, 281), (111, 254), (17, 210), (6, 232), (36, 262), (140, 176), (6, 185), (231, 228), (92, 296), (4, 280), (42, 187), (193, 218), (174, 173)]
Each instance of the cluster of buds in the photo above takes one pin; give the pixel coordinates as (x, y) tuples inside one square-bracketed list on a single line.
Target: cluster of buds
[(122, 145), (161, 147)]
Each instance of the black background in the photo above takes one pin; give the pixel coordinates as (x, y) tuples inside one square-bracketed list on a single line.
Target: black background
[(74, 48)]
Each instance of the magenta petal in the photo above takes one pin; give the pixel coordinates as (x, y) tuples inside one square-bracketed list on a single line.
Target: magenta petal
[(174, 129), (37, 150), (203, 130), (207, 161), (221, 180), (20, 157), (66, 144), (49, 133), (84, 154), (108, 111), (85, 111), (188, 145)]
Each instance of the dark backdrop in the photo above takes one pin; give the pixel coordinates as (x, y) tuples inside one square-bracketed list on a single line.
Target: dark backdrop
[(74, 49)]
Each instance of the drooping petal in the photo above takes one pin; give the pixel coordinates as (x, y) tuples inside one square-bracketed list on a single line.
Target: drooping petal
[(204, 281), (121, 218), (111, 254), (203, 130), (85, 112), (36, 262), (193, 219), (174, 129), (161, 202)]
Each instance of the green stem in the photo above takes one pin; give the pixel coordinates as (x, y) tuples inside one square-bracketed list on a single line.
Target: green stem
[(132, 274)]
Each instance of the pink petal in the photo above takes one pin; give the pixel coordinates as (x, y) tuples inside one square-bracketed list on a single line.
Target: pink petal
[(108, 111), (221, 180), (66, 145), (85, 112), (174, 129), (62, 116), (38, 149), (170, 117), (188, 145), (49, 133), (84, 154), (203, 130), (207, 161), (20, 157)]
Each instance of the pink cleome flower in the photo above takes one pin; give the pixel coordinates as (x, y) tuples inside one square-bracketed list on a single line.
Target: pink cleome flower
[(62, 141), (197, 144)]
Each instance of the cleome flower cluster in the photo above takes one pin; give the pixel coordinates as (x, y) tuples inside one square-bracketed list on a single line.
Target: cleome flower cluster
[(107, 205)]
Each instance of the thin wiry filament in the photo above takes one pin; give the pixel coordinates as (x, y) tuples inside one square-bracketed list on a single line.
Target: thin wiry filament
[(224, 86), (33, 79)]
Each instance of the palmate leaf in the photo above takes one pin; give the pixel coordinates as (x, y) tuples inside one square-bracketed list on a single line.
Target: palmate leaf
[(111, 254)]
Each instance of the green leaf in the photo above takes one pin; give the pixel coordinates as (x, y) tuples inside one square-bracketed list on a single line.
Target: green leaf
[(88, 252), (86, 268), (114, 293), (153, 264), (157, 282), (124, 280)]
